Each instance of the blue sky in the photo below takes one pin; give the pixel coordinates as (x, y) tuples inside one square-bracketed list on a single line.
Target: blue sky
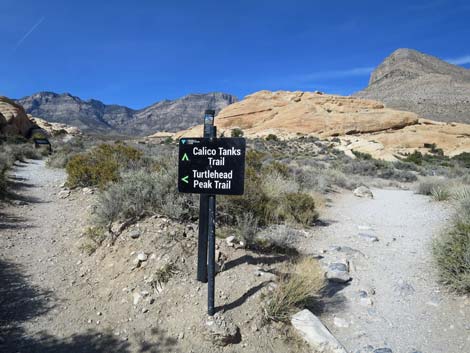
[(135, 53)]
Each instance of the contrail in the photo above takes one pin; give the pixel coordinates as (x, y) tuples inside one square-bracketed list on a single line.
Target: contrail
[(29, 32)]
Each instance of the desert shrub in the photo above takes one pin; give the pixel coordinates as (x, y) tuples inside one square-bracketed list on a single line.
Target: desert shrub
[(272, 137), (140, 193), (277, 238), (440, 193), (271, 196), (452, 251), (236, 132), (64, 152), (295, 289), (101, 165), (461, 192), (362, 155), (463, 159), (247, 228), (94, 237), (426, 185)]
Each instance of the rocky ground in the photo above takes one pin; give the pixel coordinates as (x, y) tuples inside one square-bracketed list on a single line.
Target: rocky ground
[(392, 299), (54, 298)]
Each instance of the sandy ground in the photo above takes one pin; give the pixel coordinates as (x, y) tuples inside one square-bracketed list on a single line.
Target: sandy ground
[(401, 306), (48, 303)]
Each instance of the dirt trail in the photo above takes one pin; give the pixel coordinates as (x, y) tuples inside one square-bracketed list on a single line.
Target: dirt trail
[(45, 306), (38, 267), (401, 306)]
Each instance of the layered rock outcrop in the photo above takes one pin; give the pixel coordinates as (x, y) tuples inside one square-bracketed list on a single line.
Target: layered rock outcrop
[(350, 123), (13, 118)]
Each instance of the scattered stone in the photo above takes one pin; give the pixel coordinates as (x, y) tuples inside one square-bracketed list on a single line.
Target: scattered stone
[(338, 272), (134, 234), (136, 298), (364, 227), (142, 256), (64, 194), (99, 313), (229, 240), (368, 237), (363, 191), (339, 322), (315, 333), (144, 310), (383, 350), (366, 301), (88, 191), (221, 330)]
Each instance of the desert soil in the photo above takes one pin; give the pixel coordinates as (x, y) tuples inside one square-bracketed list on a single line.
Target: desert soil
[(54, 299), (393, 299)]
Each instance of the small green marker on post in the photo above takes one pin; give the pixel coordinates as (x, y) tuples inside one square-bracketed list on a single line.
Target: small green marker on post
[(185, 157), (185, 179)]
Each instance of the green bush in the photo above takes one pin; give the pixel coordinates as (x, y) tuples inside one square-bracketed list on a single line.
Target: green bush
[(269, 196), (237, 132), (452, 251), (272, 137), (101, 165), (463, 159)]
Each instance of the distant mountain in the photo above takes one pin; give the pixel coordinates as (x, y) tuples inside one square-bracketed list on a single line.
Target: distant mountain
[(417, 82), (95, 116)]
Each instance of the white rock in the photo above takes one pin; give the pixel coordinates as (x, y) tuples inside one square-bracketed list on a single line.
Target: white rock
[(315, 333), (64, 194), (88, 191), (230, 240), (136, 298), (142, 256), (363, 191)]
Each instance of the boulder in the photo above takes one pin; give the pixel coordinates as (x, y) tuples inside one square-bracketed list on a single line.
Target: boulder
[(338, 272), (363, 191), (315, 333), (13, 118)]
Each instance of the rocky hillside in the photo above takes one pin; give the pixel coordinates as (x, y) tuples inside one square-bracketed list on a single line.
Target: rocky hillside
[(413, 81), (95, 116), (349, 122)]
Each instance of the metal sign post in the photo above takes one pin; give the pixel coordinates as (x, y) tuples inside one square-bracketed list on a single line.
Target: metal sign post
[(210, 166), (209, 132)]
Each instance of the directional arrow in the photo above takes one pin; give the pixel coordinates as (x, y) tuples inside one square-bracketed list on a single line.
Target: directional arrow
[(183, 141), (185, 157), (185, 179)]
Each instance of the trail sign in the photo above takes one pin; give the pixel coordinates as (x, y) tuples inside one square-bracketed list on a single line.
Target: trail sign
[(214, 166)]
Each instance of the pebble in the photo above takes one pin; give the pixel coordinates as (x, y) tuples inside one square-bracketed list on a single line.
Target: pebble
[(368, 237), (142, 256), (134, 234)]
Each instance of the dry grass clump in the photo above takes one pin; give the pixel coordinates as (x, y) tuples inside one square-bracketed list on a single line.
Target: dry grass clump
[(440, 193), (163, 275), (301, 284), (94, 237), (452, 251)]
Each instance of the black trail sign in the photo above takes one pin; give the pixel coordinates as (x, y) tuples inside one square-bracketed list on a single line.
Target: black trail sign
[(212, 166)]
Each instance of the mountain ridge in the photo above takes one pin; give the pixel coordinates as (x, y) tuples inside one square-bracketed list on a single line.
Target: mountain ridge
[(410, 80), (95, 116)]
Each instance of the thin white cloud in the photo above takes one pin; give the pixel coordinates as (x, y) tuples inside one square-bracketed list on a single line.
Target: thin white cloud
[(356, 71), (462, 60), (31, 30)]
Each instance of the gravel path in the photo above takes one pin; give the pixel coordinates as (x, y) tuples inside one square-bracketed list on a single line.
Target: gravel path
[(39, 301), (393, 299)]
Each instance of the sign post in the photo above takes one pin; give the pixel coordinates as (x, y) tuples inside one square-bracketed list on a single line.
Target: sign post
[(210, 166)]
